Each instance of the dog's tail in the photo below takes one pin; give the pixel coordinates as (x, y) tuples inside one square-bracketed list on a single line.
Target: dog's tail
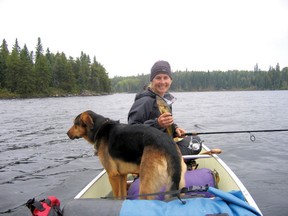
[(176, 169)]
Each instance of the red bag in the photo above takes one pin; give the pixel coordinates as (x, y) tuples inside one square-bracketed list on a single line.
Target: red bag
[(45, 207)]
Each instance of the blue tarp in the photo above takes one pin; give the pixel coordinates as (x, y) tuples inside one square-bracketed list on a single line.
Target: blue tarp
[(231, 203)]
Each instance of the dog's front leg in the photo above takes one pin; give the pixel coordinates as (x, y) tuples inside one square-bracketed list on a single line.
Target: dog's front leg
[(119, 185), (123, 186), (115, 184)]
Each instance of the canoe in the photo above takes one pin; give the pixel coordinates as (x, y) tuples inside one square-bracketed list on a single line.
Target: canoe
[(91, 200)]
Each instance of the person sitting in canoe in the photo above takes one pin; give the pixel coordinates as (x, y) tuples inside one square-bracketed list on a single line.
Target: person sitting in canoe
[(153, 107)]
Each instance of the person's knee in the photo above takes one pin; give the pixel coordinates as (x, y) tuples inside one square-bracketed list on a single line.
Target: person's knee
[(190, 145), (184, 149)]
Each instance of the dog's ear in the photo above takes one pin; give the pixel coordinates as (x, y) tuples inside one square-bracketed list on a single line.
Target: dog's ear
[(87, 120)]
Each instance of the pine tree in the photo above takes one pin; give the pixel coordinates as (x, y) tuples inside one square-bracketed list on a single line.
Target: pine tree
[(50, 57), (26, 81), (42, 72), (4, 54), (84, 72), (94, 84), (63, 73), (99, 81), (13, 68)]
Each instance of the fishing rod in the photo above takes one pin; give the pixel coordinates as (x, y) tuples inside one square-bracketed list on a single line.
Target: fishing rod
[(229, 132), (252, 137)]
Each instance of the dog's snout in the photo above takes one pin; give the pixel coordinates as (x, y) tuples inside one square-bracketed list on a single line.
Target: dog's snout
[(69, 135)]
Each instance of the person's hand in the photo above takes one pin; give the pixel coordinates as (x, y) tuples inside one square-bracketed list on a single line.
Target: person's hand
[(180, 132), (165, 120)]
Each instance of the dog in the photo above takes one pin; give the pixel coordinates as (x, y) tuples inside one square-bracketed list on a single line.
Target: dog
[(134, 149)]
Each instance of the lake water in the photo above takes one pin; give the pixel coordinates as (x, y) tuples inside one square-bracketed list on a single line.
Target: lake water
[(37, 159)]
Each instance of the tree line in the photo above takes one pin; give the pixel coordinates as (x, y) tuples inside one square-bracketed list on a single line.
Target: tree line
[(273, 79), (28, 74)]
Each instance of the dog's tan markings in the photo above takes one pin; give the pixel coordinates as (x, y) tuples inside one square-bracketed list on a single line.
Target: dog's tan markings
[(153, 166), (183, 171), (117, 171), (111, 167), (87, 120), (76, 131)]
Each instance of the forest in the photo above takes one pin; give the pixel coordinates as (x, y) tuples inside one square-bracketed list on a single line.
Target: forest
[(25, 73), (273, 79)]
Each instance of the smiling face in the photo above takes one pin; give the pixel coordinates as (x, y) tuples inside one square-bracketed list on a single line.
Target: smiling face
[(161, 84)]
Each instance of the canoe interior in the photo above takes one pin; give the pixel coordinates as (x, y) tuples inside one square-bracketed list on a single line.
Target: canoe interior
[(100, 186)]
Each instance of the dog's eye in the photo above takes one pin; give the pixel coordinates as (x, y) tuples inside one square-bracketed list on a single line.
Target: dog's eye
[(77, 125)]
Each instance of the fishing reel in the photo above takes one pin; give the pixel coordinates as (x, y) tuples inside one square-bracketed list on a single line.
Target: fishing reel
[(195, 144)]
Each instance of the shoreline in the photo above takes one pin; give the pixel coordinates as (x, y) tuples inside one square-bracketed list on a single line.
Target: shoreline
[(83, 94)]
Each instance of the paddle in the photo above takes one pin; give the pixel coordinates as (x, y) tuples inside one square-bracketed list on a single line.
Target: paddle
[(212, 151)]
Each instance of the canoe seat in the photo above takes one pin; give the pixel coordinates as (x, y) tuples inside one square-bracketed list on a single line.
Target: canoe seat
[(198, 177)]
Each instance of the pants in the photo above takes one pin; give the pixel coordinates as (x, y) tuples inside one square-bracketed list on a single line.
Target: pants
[(190, 148)]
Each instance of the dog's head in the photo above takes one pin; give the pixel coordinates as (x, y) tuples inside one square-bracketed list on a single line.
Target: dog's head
[(82, 127)]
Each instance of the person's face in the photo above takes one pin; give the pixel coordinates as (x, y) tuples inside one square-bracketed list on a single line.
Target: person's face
[(161, 84)]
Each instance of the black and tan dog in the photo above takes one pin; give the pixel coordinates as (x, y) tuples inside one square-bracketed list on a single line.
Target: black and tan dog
[(137, 149)]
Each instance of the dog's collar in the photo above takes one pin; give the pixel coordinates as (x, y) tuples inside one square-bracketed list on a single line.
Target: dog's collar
[(107, 120), (104, 124)]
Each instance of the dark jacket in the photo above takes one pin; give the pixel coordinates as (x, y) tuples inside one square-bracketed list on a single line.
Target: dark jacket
[(145, 109)]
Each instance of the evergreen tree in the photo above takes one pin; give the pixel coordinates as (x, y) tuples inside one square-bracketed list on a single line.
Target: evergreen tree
[(284, 78), (42, 72), (95, 84), (26, 81), (4, 54), (59, 70), (76, 71), (99, 81), (50, 58), (84, 72), (75, 67), (69, 83), (13, 68), (64, 78)]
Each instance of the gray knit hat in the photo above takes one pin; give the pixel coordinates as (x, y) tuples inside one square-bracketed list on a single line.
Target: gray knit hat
[(160, 67)]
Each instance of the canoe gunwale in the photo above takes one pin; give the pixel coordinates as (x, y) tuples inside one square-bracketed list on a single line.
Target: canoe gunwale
[(88, 186)]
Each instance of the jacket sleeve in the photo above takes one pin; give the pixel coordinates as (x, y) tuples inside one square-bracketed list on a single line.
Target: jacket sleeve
[(143, 112)]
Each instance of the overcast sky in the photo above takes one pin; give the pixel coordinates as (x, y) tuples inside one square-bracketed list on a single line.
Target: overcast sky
[(128, 36)]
